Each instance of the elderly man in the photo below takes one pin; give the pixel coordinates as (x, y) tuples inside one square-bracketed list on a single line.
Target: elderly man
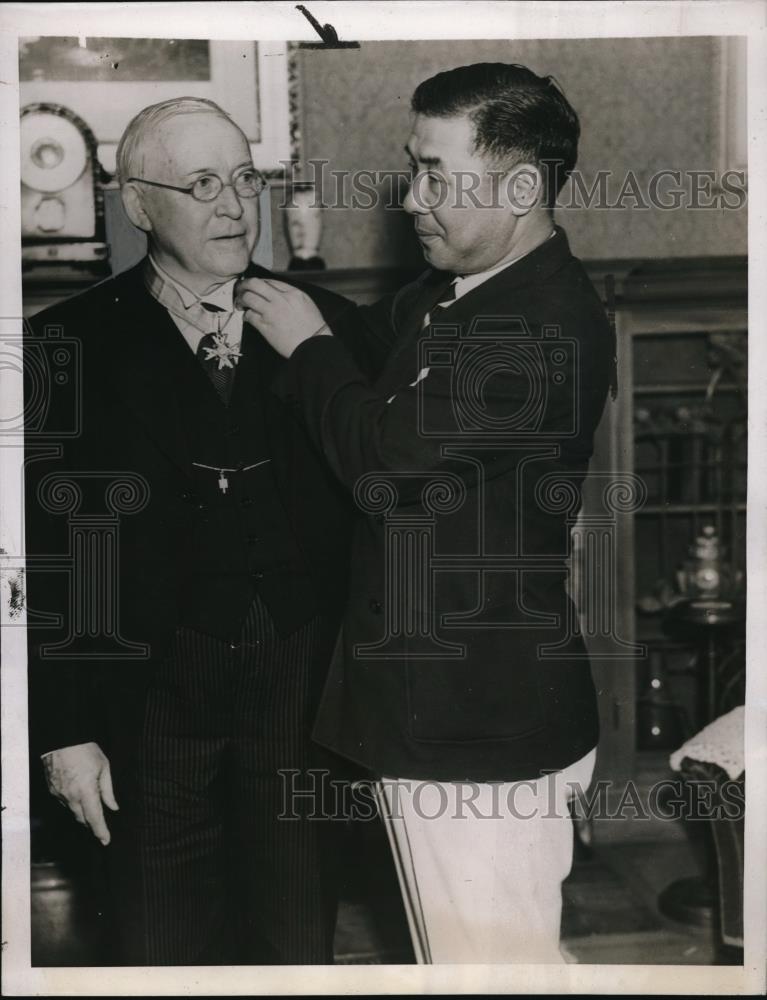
[(462, 680), (229, 575)]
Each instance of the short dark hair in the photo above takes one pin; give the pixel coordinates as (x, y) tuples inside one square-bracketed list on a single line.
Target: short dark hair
[(517, 116)]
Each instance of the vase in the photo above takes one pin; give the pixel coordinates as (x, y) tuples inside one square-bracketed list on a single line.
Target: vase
[(303, 223)]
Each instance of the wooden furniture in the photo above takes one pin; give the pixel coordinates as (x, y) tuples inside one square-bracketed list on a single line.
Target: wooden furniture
[(669, 315)]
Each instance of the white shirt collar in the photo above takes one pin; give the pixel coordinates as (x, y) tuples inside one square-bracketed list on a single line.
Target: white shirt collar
[(467, 283), (222, 295)]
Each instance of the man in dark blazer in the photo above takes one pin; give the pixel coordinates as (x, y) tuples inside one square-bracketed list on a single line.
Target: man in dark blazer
[(462, 679), (194, 647)]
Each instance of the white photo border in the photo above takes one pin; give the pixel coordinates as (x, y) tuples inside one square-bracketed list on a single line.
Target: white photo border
[(454, 19)]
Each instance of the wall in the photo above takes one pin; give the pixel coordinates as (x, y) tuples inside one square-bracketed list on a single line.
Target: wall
[(644, 104)]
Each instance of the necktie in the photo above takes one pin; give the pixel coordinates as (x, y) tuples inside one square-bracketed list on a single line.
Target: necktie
[(222, 376), (425, 310), (445, 300)]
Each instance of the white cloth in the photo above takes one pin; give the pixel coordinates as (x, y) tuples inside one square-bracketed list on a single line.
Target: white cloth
[(721, 743), (222, 296), (481, 865)]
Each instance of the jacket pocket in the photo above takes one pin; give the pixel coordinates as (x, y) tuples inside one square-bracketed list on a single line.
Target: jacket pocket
[(474, 699)]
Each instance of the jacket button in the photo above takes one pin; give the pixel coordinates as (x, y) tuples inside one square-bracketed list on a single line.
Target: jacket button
[(234, 645), (375, 606), (258, 576)]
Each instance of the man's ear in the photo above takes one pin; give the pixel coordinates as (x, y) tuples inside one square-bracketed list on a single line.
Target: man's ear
[(133, 204), (523, 188)]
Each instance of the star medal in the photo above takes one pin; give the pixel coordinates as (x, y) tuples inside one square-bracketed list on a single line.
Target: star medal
[(223, 352)]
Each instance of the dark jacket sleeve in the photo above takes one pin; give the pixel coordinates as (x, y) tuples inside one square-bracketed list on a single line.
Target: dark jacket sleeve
[(361, 431), (59, 689), (400, 422), (365, 331)]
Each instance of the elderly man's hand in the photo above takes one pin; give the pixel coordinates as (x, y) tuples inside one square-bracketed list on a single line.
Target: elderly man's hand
[(283, 315), (80, 778)]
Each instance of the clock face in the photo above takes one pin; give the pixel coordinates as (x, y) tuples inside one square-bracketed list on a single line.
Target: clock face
[(58, 186), (53, 152)]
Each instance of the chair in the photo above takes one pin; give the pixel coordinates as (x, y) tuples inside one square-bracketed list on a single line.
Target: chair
[(728, 836), (715, 756)]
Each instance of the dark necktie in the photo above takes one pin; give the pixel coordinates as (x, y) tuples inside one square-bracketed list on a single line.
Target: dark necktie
[(445, 300), (221, 377)]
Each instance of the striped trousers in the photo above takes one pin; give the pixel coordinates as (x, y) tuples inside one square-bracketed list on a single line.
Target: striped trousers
[(203, 869)]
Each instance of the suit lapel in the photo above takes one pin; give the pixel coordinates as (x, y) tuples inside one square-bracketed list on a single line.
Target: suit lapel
[(163, 384), (256, 367), (510, 285), (538, 265), (151, 365), (252, 393), (409, 314), (256, 371)]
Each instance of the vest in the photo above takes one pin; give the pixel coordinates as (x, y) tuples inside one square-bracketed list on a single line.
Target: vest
[(243, 543)]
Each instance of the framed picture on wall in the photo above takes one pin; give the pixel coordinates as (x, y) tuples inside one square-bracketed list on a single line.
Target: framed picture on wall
[(106, 81)]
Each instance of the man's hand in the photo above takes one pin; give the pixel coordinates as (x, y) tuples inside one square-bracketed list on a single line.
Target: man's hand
[(80, 778), (283, 315)]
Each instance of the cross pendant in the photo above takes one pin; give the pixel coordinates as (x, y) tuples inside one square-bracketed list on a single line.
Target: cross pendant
[(223, 482)]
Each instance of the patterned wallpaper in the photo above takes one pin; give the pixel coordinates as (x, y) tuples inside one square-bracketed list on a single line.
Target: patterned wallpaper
[(644, 105)]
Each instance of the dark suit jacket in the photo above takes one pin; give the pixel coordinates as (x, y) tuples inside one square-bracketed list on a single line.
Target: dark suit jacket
[(139, 390), (446, 674)]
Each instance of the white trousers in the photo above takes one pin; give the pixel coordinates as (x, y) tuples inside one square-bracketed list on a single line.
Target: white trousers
[(481, 865)]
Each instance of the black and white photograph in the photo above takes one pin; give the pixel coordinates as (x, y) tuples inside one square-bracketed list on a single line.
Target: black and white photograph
[(381, 556)]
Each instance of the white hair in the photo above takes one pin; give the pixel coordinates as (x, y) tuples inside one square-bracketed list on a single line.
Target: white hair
[(132, 147)]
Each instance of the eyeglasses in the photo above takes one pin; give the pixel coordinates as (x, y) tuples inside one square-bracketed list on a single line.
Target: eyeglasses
[(248, 184)]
